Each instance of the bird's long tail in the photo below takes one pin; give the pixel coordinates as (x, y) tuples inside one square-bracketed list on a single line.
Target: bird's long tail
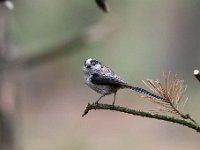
[(141, 90)]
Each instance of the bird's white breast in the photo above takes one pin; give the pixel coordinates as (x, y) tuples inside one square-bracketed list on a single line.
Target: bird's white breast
[(102, 89)]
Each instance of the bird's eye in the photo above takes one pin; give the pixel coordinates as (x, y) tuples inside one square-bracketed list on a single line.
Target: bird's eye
[(93, 63)]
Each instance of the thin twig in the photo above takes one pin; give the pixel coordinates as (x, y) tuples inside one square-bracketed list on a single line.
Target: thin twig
[(179, 121), (197, 74)]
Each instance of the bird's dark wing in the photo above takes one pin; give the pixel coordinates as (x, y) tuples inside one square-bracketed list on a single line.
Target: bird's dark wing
[(106, 80)]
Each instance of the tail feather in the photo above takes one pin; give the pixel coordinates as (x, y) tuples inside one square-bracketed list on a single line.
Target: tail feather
[(141, 90)]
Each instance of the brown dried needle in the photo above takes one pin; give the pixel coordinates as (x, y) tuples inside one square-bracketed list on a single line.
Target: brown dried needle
[(172, 92)]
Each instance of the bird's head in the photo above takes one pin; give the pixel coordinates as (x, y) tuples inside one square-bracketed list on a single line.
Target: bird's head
[(91, 65)]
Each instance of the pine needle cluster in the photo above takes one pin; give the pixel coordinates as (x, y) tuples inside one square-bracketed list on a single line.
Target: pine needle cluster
[(172, 90)]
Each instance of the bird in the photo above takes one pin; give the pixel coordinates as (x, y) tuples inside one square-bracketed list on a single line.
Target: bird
[(105, 81)]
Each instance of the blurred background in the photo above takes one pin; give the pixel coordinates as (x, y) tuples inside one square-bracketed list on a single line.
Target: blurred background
[(42, 93)]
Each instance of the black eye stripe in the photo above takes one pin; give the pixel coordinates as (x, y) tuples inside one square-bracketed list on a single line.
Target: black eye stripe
[(94, 62)]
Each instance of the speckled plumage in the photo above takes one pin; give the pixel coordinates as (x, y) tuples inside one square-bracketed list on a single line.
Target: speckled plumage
[(105, 81)]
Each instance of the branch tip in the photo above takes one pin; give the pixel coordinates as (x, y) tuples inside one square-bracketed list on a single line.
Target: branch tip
[(87, 109), (197, 74)]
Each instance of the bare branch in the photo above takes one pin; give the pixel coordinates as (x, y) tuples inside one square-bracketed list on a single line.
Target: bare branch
[(179, 121)]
